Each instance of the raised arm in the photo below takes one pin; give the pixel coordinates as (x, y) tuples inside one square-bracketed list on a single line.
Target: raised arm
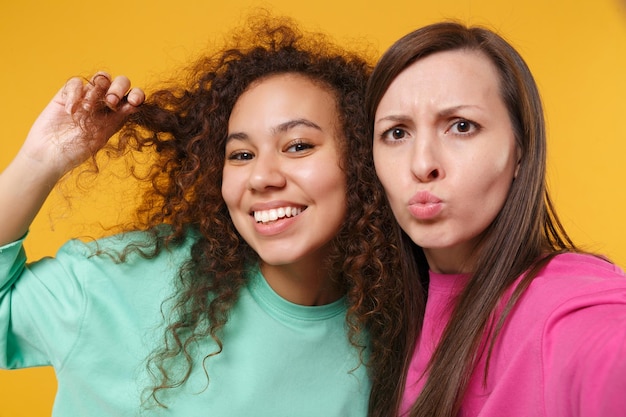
[(78, 121)]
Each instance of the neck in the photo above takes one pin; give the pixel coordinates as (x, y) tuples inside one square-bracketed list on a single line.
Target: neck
[(456, 259), (304, 282)]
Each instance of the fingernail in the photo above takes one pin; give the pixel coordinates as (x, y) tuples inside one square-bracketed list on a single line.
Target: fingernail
[(112, 100)]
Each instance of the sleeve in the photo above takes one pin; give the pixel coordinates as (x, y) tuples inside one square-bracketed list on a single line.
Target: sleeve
[(585, 364), (41, 307)]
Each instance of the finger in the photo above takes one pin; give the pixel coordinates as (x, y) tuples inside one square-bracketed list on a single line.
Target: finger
[(101, 79), (72, 94), (116, 91), (131, 102), (96, 89), (136, 97)]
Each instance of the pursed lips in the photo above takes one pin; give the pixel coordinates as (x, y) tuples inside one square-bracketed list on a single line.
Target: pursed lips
[(425, 206)]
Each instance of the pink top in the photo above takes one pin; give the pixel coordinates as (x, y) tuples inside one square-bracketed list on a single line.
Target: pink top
[(562, 351)]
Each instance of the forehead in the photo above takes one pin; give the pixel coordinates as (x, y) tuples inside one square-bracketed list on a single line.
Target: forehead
[(446, 77), (290, 81), (278, 98), (466, 63)]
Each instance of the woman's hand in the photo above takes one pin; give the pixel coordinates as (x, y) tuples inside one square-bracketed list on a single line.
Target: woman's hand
[(79, 121)]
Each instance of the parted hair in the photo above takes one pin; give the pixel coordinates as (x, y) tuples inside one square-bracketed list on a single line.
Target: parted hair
[(521, 239)]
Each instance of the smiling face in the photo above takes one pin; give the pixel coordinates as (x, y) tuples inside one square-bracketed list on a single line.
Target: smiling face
[(282, 183), (445, 152)]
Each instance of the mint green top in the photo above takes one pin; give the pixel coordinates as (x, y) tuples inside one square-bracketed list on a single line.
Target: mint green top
[(95, 321)]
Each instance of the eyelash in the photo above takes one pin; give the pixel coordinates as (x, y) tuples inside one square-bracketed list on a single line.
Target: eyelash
[(473, 126), (239, 156), (243, 155), (386, 135), (299, 142)]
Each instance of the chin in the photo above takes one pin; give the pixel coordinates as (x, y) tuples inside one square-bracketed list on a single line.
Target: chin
[(277, 259)]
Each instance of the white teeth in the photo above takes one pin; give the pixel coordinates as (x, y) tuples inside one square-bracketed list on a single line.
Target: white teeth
[(271, 215)]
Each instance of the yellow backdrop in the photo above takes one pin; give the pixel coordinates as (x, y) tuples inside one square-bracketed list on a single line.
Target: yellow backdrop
[(577, 51)]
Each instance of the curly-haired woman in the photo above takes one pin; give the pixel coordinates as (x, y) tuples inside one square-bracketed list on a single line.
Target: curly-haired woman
[(257, 279)]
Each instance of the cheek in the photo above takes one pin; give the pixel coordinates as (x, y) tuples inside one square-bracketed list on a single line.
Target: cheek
[(390, 173), (231, 185), (329, 191), (488, 188), (503, 174), (333, 183), (494, 165), (504, 162), (380, 164), (320, 177)]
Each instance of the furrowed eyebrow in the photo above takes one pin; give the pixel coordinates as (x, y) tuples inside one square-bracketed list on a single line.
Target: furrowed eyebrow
[(452, 110), (394, 119), (443, 113)]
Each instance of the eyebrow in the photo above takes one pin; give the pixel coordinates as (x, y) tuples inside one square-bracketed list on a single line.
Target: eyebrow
[(394, 119), (400, 118), (281, 128), (290, 124), (451, 110)]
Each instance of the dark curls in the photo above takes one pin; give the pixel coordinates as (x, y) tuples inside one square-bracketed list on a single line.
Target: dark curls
[(186, 127)]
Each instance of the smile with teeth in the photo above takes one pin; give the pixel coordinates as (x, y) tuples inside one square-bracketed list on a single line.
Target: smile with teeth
[(266, 216)]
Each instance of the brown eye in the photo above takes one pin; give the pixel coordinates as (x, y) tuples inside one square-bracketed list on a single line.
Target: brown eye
[(240, 156), (464, 126), (299, 147), (397, 133)]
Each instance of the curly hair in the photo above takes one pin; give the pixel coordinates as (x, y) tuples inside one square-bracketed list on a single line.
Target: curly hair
[(186, 126)]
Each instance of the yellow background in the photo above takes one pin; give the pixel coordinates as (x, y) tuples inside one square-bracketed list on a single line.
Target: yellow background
[(576, 49)]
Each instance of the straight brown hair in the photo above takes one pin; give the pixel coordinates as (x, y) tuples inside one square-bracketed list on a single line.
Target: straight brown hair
[(523, 237)]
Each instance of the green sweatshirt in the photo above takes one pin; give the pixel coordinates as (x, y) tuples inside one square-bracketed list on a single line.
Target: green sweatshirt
[(96, 321)]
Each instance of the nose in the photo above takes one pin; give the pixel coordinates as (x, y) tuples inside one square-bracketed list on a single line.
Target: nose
[(426, 159), (266, 173)]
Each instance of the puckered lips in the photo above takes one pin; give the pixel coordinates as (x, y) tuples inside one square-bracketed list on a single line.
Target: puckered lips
[(425, 206)]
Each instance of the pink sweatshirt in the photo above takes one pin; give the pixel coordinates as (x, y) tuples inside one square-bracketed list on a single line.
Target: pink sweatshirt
[(562, 352)]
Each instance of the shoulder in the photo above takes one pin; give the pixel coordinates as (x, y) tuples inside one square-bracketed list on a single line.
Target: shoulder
[(582, 334), (582, 265), (128, 248), (580, 272), (571, 281)]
